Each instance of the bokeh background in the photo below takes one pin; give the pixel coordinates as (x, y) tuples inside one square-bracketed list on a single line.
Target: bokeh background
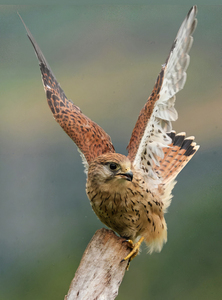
[(106, 59)]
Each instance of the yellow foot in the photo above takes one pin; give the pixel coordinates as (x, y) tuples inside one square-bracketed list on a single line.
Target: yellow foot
[(135, 250)]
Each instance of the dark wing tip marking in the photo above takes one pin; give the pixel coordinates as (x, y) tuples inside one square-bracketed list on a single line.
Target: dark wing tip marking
[(191, 150), (177, 155), (194, 7), (178, 140), (38, 52), (187, 144), (172, 135), (54, 92)]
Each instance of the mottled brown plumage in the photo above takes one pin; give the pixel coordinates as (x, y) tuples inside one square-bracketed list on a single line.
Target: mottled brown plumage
[(144, 117), (89, 137), (127, 206), (131, 194)]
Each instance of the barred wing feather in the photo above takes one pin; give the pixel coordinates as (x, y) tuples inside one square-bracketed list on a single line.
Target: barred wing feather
[(149, 135), (89, 137)]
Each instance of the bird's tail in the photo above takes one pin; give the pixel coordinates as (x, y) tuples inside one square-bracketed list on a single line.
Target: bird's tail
[(176, 156)]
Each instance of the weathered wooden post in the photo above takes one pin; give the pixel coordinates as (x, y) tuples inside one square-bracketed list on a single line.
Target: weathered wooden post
[(101, 269)]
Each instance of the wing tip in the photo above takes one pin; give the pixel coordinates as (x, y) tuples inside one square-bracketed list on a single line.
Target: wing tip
[(192, 13), (37, 50), (47, 74), (193, 9), (192, 16)]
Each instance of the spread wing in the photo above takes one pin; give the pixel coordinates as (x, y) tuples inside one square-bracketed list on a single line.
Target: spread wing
[(89, 137), (149, 136)]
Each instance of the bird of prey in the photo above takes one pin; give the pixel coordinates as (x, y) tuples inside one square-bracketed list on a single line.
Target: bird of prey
[(130, 194)]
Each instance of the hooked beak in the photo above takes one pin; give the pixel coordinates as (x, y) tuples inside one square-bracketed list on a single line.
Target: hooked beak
[(128, 175)]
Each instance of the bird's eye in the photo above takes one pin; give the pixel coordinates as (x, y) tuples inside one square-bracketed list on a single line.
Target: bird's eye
[(113, 166)]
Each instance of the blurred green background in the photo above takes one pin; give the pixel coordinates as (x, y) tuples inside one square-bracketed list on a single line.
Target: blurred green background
[(106, 59)]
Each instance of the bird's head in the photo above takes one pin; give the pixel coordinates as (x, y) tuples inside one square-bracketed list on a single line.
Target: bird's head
[(110, 167)]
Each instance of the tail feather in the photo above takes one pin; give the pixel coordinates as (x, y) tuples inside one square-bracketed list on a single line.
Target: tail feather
[(176, 156)]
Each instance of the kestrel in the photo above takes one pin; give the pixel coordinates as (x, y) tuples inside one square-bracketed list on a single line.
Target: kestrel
[(130, 194)]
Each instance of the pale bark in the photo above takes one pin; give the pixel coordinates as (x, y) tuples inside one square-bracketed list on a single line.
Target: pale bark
[(101, 269)]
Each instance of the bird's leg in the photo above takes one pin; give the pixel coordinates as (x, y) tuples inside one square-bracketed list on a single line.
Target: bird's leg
[(135, 250)]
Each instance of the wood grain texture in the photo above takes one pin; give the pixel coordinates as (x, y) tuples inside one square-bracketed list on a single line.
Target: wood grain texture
[(101, 271)]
